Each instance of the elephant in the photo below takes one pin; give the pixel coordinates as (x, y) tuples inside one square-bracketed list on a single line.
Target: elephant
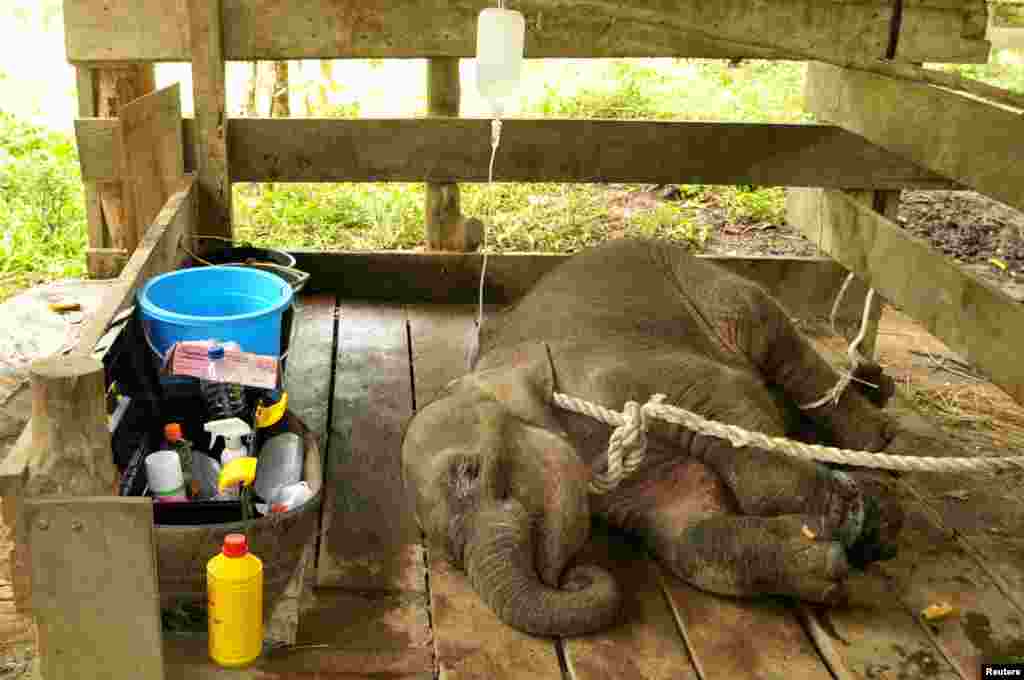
[(499, 475)]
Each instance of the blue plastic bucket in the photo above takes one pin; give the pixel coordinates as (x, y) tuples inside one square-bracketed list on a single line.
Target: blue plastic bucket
[(237, 304)]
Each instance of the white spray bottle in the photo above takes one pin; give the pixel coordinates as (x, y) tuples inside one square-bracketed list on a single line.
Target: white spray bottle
[(232, 429)]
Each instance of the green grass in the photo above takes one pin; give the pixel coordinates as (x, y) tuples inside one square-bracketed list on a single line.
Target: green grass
[(42, 206), (549, 217)]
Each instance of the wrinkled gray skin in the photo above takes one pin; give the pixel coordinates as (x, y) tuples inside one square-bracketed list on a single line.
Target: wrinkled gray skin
[(500, 473)]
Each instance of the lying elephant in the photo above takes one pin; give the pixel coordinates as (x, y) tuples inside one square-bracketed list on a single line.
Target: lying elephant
[(501, 474)]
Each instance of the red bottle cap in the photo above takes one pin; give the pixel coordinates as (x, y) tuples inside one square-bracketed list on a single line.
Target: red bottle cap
[(235, 545), (172, 432)]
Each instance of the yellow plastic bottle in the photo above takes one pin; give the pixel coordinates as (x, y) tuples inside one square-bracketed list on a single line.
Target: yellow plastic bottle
[(234, 586)]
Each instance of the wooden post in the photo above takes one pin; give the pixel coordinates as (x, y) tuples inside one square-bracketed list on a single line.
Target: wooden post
[(102, 93), (69, 429), (211, 119), (446, 227), (91, 555)]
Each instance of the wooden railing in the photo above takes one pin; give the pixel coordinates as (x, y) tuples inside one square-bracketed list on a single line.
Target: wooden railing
[(443, 150)]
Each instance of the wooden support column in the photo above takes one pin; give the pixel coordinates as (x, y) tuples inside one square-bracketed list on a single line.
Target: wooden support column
[(103, 93), (446, 228), (93, 585), (211, 120)]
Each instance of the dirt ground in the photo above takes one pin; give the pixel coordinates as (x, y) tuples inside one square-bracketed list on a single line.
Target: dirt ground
[(981, 418)]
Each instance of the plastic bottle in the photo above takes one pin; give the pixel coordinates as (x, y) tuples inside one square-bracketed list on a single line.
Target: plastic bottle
[(500, 38), (177, 442), (234, 586), (222, 399), (232, 429), (290, 497)]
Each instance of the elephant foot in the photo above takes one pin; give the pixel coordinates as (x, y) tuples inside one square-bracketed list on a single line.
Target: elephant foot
[(883, 520), (788, 556), (862, 519), (844, 509)]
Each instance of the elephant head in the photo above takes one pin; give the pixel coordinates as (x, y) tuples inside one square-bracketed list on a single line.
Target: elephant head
[(502, 491)]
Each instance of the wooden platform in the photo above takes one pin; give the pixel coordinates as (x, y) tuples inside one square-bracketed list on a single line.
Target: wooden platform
[(383, 607)]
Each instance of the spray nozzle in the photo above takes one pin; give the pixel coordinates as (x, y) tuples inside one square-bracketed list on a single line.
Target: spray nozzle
[(232, 429)]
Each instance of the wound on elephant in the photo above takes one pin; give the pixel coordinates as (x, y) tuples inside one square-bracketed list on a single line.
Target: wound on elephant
[(501, 474)]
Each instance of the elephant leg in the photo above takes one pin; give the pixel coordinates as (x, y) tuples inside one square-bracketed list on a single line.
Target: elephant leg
[(766, 483), (790, 361), (742, 556)]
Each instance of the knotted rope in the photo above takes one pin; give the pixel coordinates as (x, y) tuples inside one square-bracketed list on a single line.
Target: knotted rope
[(628, 444)]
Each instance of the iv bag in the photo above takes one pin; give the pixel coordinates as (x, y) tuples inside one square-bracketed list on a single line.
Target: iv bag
[(500, 39)]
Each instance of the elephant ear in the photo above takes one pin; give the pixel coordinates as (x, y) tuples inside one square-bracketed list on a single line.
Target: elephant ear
[(522, 380)]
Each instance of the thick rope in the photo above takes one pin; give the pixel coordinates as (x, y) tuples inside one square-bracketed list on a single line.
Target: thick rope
[(628, 443)]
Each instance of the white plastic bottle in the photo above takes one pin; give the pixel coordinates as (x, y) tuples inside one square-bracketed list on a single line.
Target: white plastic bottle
[(232, 429), (500, 40)]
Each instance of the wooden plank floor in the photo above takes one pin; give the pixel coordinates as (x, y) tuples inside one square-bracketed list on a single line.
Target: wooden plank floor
[(384, 606)]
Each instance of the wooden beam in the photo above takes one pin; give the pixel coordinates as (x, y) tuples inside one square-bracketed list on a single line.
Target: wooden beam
[(953, 27), (458, 150), (106, 263), (209, 94), (159, 252), (973, 318), (806, 287), (443, 207), (970, 141), (154, 30), (95, 587), (152, 163)]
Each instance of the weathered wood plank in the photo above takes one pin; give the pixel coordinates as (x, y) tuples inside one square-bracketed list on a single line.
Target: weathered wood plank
[(439, 332), (732, 638), (311, 361), (928, 27), (152, 164), (365, 150), (160, 251), (203, 19), (150, 30), (87, 553), (646, 643), (105, 263), (307, 381), (370, 539), (458, 150), (364, 633), (932, 568), (970, 316), (970, 141)]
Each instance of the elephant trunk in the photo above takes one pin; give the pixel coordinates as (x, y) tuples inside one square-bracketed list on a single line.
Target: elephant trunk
[(500, 565)]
